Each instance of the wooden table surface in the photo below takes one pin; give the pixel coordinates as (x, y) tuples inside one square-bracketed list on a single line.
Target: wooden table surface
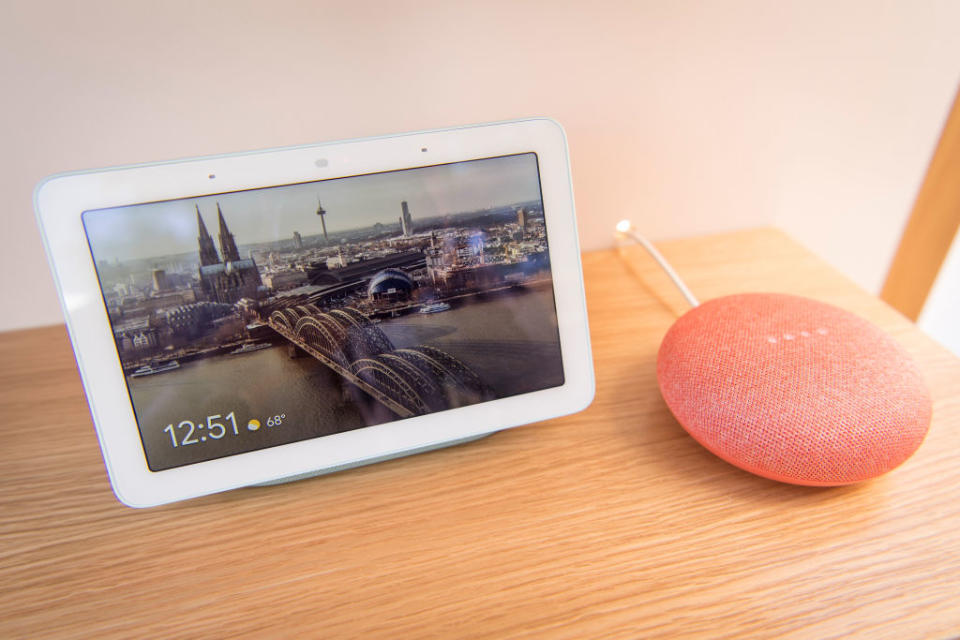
[(611, 523)]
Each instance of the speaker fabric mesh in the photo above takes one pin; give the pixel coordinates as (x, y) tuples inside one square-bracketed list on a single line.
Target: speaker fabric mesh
[(793, 389)]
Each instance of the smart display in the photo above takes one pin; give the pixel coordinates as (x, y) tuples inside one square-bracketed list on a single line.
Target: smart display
[(250, 318)]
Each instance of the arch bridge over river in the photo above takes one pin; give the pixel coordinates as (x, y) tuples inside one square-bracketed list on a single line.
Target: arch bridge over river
[(408, 381)]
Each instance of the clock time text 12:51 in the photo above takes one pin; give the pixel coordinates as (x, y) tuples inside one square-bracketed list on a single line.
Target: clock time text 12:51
[(215, 426)]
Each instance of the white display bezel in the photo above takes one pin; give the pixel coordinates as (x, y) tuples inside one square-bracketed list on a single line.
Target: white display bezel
[(60, 200)]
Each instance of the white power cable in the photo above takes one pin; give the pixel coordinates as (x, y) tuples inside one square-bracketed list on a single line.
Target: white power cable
[(624, 228)]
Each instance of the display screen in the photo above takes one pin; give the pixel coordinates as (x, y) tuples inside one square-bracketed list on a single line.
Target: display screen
[(256, 318)]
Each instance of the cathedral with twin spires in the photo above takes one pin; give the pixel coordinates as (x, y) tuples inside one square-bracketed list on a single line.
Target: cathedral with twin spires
[(230, 279)]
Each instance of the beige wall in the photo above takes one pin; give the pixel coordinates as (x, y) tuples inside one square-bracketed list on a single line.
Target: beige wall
[(941, 313), (688, 117)]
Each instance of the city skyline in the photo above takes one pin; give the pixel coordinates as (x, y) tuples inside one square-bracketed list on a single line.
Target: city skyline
[(274, 213)]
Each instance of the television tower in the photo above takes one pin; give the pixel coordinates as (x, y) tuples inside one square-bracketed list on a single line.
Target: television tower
[(323, 220)]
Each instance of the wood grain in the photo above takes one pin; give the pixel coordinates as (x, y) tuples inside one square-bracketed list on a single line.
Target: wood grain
[(931, 228), (610, 523)]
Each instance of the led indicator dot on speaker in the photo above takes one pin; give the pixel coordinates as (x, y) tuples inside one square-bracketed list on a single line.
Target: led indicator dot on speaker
[(845, 407)]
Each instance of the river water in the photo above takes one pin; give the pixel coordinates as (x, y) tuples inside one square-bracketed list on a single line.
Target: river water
[(508, 338)]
